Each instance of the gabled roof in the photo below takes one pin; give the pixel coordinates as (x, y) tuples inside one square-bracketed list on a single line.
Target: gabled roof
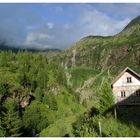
[(127, 69)]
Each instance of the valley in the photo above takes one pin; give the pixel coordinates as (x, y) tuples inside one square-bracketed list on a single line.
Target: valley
[(67, 93)]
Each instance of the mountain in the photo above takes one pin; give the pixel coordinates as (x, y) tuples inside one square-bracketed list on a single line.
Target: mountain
[(99, 52), (41, 98), (5, 47), (94, 59), (134, 22)]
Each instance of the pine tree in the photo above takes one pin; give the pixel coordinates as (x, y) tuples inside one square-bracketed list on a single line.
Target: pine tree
[(11, 122), (3, 59), (4, 88), (39, 94), (2, 132), (106, 99)]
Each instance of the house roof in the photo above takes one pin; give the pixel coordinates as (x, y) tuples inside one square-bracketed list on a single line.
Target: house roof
[(127, 69)]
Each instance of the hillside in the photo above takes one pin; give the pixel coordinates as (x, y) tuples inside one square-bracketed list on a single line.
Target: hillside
[(69, 94), (34, 96), (105, 52), (95, 59)]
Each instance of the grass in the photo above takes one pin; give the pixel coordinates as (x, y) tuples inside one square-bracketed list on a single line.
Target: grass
[(68, 109), (60, 128), (115, 128), (80, 75), (65, 116)]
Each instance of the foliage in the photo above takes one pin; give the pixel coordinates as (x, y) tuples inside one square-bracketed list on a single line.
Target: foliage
[(117, 129), (50, 101), (106, 99), (39, 94), (11, 122), (35, 118), (30, 92), (81, 74), (4, 88), (2, 132), (83, 127), (61, 127)]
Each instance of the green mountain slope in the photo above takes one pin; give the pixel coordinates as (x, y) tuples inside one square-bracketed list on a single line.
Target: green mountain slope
[(93, 59), (120, 50)]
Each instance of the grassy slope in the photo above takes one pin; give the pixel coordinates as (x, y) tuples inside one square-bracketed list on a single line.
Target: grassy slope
[(67, 112), (100, 58)]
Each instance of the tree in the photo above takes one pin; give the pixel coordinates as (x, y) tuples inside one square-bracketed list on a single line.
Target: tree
[(11, 122), (84, 127), (42, 78), (4, 59), (50, 100), (35, 118), (39, 94), (24, 80), (2, 132), (106, 99), (4, 88)]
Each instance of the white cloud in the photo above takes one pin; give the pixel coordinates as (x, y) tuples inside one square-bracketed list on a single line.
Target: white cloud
[(97, 23), (89, 21), (38, 39), (50, 25), (33, 36)]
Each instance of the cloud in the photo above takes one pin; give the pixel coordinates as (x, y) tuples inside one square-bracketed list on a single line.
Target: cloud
[(31, 37), (97, 23), (50, 25), (89, 20), (60, 25), (38, 38)]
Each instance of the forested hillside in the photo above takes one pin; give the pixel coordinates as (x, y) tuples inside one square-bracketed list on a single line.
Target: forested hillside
[(34, 97)]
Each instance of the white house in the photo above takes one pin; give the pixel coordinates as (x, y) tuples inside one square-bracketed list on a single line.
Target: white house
[(126, 88)]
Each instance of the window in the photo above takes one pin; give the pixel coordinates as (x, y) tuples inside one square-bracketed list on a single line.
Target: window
[(129, 80), (122, 93), (137, 93)]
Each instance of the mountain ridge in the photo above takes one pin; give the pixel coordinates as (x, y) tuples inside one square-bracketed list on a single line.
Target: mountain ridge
[(50, 51), (101, 52)]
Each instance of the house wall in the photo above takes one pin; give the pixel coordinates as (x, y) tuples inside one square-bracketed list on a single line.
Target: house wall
[(129, 88)]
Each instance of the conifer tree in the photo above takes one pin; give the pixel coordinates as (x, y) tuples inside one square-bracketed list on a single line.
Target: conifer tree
[(2, 132), (11, 122), (106, 99)]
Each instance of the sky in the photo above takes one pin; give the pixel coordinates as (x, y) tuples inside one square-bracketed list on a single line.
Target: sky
[(59, 25)]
